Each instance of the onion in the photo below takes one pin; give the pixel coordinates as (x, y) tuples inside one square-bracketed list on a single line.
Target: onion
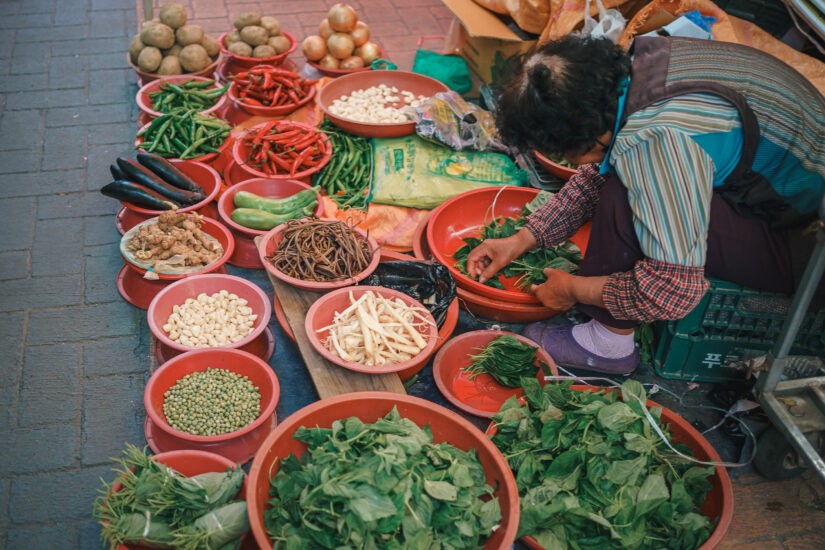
[(329, 62), (324, 30), (361, 33), (340, 45), (314, 47), (342, 18), (369, 52), (352, 62)]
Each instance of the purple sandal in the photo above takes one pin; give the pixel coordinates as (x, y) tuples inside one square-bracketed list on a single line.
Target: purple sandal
[(558, 341)]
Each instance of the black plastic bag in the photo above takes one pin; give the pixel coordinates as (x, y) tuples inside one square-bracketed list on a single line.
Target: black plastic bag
[(430, 283)]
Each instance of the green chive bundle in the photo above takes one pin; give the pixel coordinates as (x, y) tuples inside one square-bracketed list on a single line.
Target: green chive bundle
[(506, 359)]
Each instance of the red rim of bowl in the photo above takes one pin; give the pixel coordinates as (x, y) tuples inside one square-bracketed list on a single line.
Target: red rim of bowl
[(146, 77), (315, 286), (266, 413), (260, 323), (323, 302), (194, 207), (215, 225), (145, 105), (207, 158), (263, 110), (341, 72), (226, 205), (558, 170), (240, 143), (273, 60)]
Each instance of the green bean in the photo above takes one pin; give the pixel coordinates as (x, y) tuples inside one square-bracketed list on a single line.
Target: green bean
[(184, 134), (347, 176), (190, 95)]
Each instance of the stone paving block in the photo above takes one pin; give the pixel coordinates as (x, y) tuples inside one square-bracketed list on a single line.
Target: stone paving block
[(39, 449), (72, 324), (66, 71), (109, 23), (118, 134), (12, 162), (16, 223), (787, 507), (50, 385), (100, 230), (63, 149), (116, 89), (27, 6), (61, 535), (88, 536), (300, 7), (92, 46), (310, 20), (21, 21), (22, 83), (122, 355), (99, 158), (102, 264), (71, 205), (115, 59), (40, 292), (54, 254), (14, 264), (56, 33), (113, 414), (56, 496), (93, 114), (29, 60), (10, 8), (11, 340), (8, 396), (70, 12), (45, 98), (40, 183)]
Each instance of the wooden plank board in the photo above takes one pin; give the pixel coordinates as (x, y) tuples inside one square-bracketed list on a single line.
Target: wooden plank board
[(329, 379)]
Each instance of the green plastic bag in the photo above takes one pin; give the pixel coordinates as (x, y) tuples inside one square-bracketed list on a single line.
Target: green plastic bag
[(448, 69), (411, 171)]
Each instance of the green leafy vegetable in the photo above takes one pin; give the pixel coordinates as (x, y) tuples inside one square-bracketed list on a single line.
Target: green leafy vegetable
[(592, 473), (506, 359), (379, 485)]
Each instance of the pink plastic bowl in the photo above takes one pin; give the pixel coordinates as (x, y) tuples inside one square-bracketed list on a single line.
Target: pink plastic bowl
[(144, 102), (176, 294), (241, 151)]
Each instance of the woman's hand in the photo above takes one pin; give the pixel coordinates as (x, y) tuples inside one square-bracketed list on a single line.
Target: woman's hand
[(491, 255), (557, 291)]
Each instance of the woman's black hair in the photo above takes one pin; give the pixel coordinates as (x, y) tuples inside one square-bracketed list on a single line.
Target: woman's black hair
[(563, 96)]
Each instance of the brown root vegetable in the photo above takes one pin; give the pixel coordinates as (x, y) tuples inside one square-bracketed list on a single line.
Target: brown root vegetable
[(280, 44), (264, 50), (146, 24), (342, 18), (247, 19), (149, 59), (352, 62), (271, 24), (211, 45), (189, 34), (254, 35), (158, 35), (170, 65), (240, 48), (174, 50), (232, 37), (173, 15), (340, 45), (134, 48), (314, 47), (329, 62), (369, 52), (361, 34), (324, 30), (193, 58)]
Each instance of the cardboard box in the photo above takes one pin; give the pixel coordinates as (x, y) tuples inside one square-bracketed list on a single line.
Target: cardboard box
[(484, 39)]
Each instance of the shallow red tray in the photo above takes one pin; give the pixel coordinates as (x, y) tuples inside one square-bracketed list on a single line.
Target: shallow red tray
[(263, 346)]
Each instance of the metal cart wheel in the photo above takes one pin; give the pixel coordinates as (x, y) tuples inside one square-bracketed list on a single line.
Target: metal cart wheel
[(777, 460)]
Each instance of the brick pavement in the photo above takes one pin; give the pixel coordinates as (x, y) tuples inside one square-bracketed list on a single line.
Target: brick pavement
[(75, 355)]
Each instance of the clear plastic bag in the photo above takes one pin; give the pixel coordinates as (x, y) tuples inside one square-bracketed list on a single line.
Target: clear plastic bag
[(610, 25)]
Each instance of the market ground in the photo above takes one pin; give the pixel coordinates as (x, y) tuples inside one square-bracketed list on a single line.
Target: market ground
[(75, 355)]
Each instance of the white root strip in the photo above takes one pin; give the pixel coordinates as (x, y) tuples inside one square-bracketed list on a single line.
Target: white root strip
[(374, 330)]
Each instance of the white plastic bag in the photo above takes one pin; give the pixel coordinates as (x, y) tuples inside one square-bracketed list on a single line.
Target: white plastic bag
[(610, 25)]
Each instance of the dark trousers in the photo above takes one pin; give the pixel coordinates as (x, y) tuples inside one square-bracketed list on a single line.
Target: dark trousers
[(741, 250)]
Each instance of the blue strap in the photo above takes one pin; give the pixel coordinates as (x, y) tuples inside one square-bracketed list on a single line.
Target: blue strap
[(624, 86)]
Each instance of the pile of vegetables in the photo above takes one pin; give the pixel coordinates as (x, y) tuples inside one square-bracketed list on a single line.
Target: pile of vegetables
[(320, 251), (256, 36), (172, 241), (153, 182), (529, 268), (169, 46), (379, 485), (593, 474), (342, 42), (283, 148), (210, 320), (507, 360), (348, 175), (192, 95), (183, 135), (150, 504), (266, 86), (374, 330), (264, 213)]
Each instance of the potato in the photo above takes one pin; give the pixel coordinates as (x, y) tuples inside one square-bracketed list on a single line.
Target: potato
[(280, 43), (246, 19), (232, 37), (189, 34), (146, 24), (134, 48), (193, 58), (240, 48), (149, 59), (158, 35), (254, 35), (264, 50), (271, 25), (170, 65), (211, 45), (173, 15)]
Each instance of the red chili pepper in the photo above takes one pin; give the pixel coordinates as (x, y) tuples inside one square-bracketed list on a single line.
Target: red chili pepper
[(299, 161)]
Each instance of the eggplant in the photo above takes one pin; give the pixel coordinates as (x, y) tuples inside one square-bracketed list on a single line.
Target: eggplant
[(141, 175), (117, 173), (138, 195), (169, 172)]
